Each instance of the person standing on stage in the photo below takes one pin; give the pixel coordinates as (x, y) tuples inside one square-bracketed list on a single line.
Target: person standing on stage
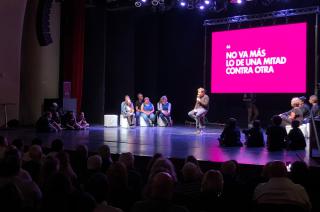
[(253, 112), (164, 110), (138, 104), (147, 112), (315, 110), (200, 109), (127, 110)]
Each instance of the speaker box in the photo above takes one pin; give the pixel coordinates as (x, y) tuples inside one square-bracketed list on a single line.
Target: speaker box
[(43, 22)]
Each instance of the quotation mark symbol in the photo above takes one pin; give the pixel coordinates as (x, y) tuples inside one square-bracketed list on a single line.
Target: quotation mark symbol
[(228, 46)]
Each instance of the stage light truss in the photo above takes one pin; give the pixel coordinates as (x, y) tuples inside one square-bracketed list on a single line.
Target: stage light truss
[(262, 16)]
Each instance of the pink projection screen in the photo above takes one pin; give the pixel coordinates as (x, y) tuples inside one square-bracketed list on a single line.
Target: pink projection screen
[(260, 60)]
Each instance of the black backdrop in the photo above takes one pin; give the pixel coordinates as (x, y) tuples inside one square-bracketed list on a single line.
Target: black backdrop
[(160, 54)]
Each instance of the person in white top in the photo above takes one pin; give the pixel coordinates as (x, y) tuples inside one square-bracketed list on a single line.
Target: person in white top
[(280, 189)]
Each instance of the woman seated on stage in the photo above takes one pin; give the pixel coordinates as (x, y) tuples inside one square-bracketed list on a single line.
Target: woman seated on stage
[(231, 134), (147, 112), (294, 114), (164, 110), (71, 123), (127, 110), (82, 121), (46, 124), (276, 135), (254, 136)]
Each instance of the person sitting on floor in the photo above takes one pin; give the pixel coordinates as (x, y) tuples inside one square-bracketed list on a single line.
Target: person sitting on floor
[(296, 139), (46, 124), (127, 110), (164, 110), (71, 123), (147, 110), (276, 135), (254, 136), (315, 110), (82, 122), (231, 134)]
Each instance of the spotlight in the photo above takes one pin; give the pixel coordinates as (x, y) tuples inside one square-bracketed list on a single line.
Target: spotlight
[(235, 1), (201, 7), (239, 1), (207, 2), (182, 4), (155, 2), (144, 1), (137, 4)]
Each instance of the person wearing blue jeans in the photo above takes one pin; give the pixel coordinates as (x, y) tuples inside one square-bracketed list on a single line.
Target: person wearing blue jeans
[(138, 104), (200, 109), (164, 110), (147, 110)]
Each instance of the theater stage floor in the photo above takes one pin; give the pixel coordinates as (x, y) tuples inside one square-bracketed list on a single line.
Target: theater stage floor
[(175, 142)]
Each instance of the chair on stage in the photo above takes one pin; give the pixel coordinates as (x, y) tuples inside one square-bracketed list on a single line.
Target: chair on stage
[(110, 121), (124, 121), (143, 122)]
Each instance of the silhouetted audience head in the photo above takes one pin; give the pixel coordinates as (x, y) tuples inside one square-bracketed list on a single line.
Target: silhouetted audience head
[(97, 186), (104, 151), (163, 165), (127, 159), (3, 141), (190, 172), (299, 172), (57, 145), (94, 163), (276, 120), (229, 168), (212, 182), (277, 169), (82, 151), (154, 158), (162, 186), (295, 124), (37, 141), (117, 176), (192, 159), (11, 163), (19, 144), (35, 153), (49, 167)]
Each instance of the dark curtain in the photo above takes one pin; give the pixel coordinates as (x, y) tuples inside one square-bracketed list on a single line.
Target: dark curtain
[(73, 24)]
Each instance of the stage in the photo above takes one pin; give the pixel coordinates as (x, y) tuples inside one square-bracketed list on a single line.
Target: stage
[(173, 142)]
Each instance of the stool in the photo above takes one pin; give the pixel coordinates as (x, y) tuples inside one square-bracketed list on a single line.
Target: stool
[(124, 121), (143, 122), (110, 120)]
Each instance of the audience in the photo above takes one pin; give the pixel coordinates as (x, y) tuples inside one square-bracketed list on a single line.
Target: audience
[(280, 190), (296, 139), (51, 183), (276, 135), (230, 135)]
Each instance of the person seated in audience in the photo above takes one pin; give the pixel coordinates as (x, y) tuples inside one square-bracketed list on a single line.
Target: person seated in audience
[(315, 110), (230, 135), (33, 165), (46, 124), (3, 146), (211, 196), (94, 165), (134, 177), (71, 122), (138, 104), (19, 144), (299, 174), (97, 186), (276, 135), (194, 160), (104, 152), (56, 147), (147, 112), (162, 164), (161, 194), (294, 114), (280, 190), (296, 139), (164, 110), (127, 110), (82, 122), (305, 108), (254, 136)]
